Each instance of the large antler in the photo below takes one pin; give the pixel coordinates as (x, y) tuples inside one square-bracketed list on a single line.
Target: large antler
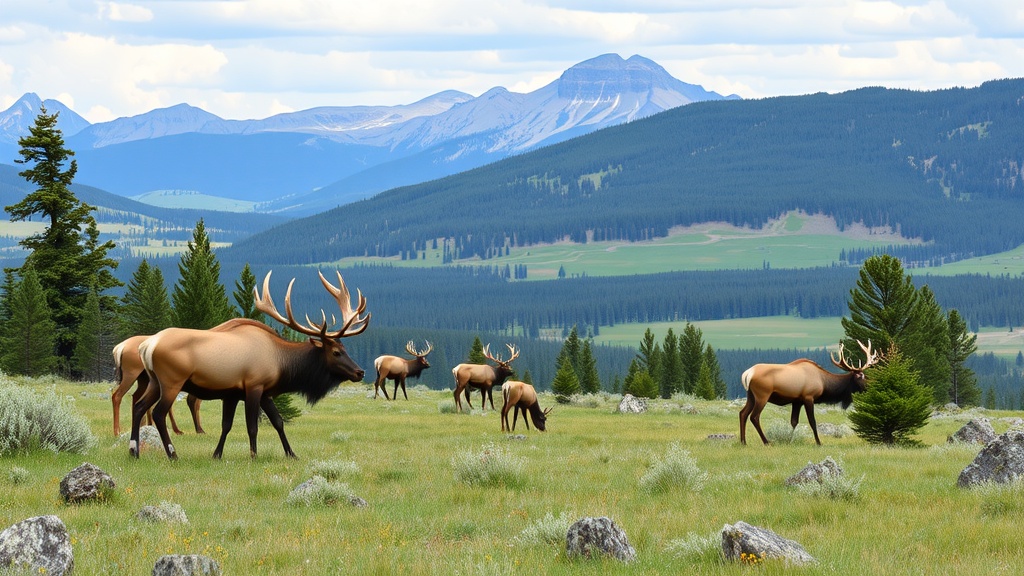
[(871, 358), (411, 349), (512, 350), (352, 322)]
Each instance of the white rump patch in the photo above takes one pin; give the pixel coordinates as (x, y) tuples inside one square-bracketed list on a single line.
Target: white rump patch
[(146, 350), (747, 375)]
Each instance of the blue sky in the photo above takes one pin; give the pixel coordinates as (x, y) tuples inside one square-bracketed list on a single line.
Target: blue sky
[(255, 58)]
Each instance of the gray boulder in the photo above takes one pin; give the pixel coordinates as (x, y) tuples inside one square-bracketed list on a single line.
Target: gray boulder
[(87, 482), (977, 431), (1000, 461), (632, 405), (748, 544), (186, 565), (40, 545), (815, 472), (165, 512), (590, 537)]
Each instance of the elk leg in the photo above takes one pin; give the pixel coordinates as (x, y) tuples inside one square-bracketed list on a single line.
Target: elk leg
[(139, 409), (380, 383), (468, 399), (755, 419), (458, 403), (744, 413), (795, 418), (160, 420), (252, 416), (515, 416), (174, 423), (193, 408), (526, 417), (403, 390), (809, 406), (115, 398), (227, 419), (394, 393), (267, 403), (490, 396)]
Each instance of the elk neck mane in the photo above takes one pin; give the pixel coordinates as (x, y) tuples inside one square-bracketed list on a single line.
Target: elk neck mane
[(305, 374)]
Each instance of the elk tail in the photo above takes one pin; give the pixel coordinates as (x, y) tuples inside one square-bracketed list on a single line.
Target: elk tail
[(747, 376), (117, 361)]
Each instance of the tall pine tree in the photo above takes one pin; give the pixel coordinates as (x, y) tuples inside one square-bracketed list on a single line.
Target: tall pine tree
[(145, 306), (199, 298), (691, 355), (671, 375), (28, 334), (963, 388), (243, 295)]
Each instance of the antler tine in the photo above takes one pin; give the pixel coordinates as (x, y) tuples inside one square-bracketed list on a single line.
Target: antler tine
[(513, 351), (352, 321), (429, 348), (265, 304), (489, 356), (872, 357), (410, 348)]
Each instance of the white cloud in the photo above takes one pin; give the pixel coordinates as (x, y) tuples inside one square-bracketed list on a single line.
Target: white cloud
[(120, 12)]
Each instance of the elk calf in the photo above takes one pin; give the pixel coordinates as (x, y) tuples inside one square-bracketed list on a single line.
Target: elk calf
[(398, 369), (521, 396), (801, 383), (482, 377)]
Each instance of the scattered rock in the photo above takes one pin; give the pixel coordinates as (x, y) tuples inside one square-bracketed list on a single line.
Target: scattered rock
[(87, 482), (165, 512), (721, 436), (186, 565), (748, 544), (357, 502), (591, 537), (1000, 461), (516, 437), (977, 431), (149, 437), (1014, 422), (40, 544), (815, 472), (632, 405)]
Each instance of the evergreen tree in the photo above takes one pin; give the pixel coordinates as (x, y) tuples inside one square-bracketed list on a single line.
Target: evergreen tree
[(476, 352), (571, 349), (963, 389), (199, 298), (990, 398), (590, 381), (671, 376), (647, 351), (705, 387), (243, 295), (931, 346), (691, 355), (715, 372), (28, 334), (145, 306), (96, 337), (638, 382), (67, 256), (895, 405), (527, 377), (565, 383)]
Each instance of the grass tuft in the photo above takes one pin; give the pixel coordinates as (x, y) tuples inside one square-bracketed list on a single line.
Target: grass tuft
[(493, 465), (677, 470), (550, 529)]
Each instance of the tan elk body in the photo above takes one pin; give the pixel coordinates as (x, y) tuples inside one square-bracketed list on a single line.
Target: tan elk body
[(801, 383), (398, 369), (482, 377), (522, 396)]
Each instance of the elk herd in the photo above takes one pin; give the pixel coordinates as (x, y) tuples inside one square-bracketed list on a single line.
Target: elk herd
[(247, 361)]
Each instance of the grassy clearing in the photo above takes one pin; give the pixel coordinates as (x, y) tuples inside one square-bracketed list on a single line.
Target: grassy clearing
[(909, 517)]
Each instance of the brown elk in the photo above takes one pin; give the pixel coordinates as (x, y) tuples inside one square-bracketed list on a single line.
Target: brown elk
[(128, 369), (522, 396), (398, 369), (250, 363), (482, 377), (802, 383)]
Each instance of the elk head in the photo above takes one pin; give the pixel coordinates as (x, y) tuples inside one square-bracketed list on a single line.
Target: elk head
[(421, 357), (503, 368), (326, 341), (871, 358)]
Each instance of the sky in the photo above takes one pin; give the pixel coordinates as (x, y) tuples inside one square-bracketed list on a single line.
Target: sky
[(242, 59)]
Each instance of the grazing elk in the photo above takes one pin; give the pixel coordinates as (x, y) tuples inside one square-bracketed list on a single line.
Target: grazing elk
[(398, 369), (482, 377), (250, 363), (521, 396), (128, 369), (801, 383)]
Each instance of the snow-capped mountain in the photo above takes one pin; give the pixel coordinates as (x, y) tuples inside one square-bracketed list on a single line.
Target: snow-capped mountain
[(339, 154), (16, 120)]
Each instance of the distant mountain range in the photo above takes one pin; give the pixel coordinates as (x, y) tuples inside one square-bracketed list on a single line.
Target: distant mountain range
[(306, 162)]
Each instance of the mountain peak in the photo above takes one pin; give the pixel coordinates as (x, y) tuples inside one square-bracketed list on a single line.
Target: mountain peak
[(16, 120), (607, 75)]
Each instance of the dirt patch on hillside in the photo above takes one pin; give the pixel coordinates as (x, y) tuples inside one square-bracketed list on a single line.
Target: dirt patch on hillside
[(799, 223)]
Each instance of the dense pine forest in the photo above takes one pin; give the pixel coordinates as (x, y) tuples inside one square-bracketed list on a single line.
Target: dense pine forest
[(941, 166)]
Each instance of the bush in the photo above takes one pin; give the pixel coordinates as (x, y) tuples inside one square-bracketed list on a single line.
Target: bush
[(677, 470), (833, 487), (779, 432), (547, 530), (318, 491), (30, 421), (333, 469), (494, 465), (696, 548), (894, 406)]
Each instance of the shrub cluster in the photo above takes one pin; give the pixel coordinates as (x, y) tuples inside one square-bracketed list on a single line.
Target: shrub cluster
[(676, 470), (547, 530), (30, 420), (493, 465), (319, 491), (333, 469)]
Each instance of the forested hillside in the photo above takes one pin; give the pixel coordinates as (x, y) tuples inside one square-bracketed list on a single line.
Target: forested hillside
[(941, 166)]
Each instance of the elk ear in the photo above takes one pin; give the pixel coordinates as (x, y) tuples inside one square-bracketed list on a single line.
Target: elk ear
[(316, 342)]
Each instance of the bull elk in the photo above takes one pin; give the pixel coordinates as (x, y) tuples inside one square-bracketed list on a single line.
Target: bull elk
[(521, 396), (482, 377), (251, 363), (802, 383), (398, 369)]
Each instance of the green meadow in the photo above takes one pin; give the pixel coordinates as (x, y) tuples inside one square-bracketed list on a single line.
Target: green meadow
[(904, 515)]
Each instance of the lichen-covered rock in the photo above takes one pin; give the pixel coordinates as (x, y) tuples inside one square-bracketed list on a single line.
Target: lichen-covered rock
[(591, 537), (40, 545), (87, 482), (186, 565), (977, 431), (632, 405), (748, 544), (165, 512), (815, 472), (721, 436), (1000, 461)]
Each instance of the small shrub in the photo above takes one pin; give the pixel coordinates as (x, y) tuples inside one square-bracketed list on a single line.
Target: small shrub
[(29, 421), (493, 465), (17, 475), (676, 470), (333, 469), (340, 436), (833, 487), (318, 491), (446, 407), (779, 432), (696, 548), (547, 530)]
